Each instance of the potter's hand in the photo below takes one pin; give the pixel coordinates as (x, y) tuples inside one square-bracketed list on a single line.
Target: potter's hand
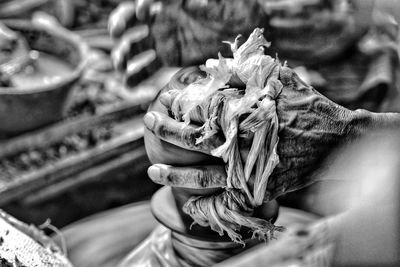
[(310, 127), (177, 33), (164, 150), (134, 55), (158, 150)]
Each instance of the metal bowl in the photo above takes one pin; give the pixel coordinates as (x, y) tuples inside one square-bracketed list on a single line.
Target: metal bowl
[(27, 108)]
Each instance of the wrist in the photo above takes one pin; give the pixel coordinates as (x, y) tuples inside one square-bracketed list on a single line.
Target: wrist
[(364, 122)]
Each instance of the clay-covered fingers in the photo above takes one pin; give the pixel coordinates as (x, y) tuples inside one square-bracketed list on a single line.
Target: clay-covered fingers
[(197, 177), (177, 103), (179, 133), (168, 97)]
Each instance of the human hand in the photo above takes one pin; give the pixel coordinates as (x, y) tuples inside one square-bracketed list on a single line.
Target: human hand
[(134, 54), (309, 125), (310, 128), (176, 33), (160, 151)]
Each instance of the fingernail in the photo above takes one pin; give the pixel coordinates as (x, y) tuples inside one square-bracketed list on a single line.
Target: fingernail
[(149, 120), (165, 99), (154, 173)]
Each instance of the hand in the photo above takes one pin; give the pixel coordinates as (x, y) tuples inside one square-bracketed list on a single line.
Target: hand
[(176, 33), (160, 151), (134, 55), (311, 127)]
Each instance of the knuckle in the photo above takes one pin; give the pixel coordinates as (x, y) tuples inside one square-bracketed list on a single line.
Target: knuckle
[(178, 177), (286, 76), (188, 138), (203, 179), (163, 130), (170, 178)]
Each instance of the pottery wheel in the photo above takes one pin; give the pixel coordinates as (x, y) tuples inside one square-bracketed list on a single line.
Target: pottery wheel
[(166, 212)]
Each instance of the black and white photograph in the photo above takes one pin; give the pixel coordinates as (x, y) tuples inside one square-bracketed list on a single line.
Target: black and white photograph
[(199, 133)]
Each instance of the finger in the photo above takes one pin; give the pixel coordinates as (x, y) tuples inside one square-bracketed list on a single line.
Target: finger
[(180, 134), (173, 101), (7, 33), (143, 9), (177, 103), (157, 8), (166, 98), (134, 40), (140, 67), (197, 177), (121, 18)]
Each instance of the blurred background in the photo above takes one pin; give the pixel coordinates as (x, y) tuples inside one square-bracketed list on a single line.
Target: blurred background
[(71, 130)]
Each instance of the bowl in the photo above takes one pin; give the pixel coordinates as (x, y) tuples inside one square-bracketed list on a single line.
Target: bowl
[(30, 106)]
